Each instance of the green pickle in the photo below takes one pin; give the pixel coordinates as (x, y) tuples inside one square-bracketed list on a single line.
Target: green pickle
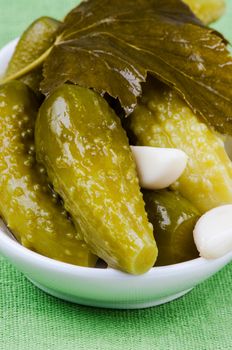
[(207, 10), (34, 216), (86, 153), (174, 219), (163, 119), (33, 43)]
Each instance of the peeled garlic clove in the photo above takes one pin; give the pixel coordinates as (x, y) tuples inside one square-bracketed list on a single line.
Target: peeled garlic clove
[(158, 168), (213, 232)]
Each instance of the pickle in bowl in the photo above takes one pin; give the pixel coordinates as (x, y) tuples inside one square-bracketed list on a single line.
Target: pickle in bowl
[(27, 206), (163, 119), (174, 219), (36, 39), (85, 150)]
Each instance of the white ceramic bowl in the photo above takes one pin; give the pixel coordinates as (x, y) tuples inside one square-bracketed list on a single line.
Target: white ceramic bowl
[(104, 287)]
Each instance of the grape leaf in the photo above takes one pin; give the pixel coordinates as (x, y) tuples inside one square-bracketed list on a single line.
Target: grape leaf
[(111, 45)]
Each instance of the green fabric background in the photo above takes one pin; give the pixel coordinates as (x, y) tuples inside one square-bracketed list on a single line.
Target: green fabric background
[(30, 319)]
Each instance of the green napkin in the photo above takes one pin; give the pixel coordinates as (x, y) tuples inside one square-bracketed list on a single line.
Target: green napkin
[(30, 319)]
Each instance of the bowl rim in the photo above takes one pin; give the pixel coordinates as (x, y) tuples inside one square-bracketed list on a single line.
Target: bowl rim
[(10, 244)]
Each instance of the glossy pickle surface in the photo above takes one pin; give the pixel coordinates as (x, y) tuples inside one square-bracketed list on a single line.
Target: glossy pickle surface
[(36, 39), (85, 150), (174, 219), (162, 119), (35, 217)]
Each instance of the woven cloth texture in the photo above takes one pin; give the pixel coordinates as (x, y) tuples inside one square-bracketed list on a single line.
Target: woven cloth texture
[(30, 319)]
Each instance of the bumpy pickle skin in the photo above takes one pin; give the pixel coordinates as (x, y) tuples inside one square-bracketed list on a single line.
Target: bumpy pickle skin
[(207, 10), (162, 119), (81, 143), (174, 219), (37, 38), (26, 204)]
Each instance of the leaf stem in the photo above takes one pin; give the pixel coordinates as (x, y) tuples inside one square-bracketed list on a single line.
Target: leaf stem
[(35, 64)]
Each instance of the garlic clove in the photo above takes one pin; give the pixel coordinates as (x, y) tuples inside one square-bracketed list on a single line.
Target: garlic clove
[(158, 168), (213, 232)]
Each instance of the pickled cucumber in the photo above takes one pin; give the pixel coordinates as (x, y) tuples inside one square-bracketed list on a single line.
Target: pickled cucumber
[(80, 141), (32, 44), (162, 119), (174, 219), (207, 10), (26, 205)]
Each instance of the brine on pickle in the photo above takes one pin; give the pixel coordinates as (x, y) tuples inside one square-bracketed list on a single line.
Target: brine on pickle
[(36, 39), (80, 141), (163, 119), (31, 212)]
